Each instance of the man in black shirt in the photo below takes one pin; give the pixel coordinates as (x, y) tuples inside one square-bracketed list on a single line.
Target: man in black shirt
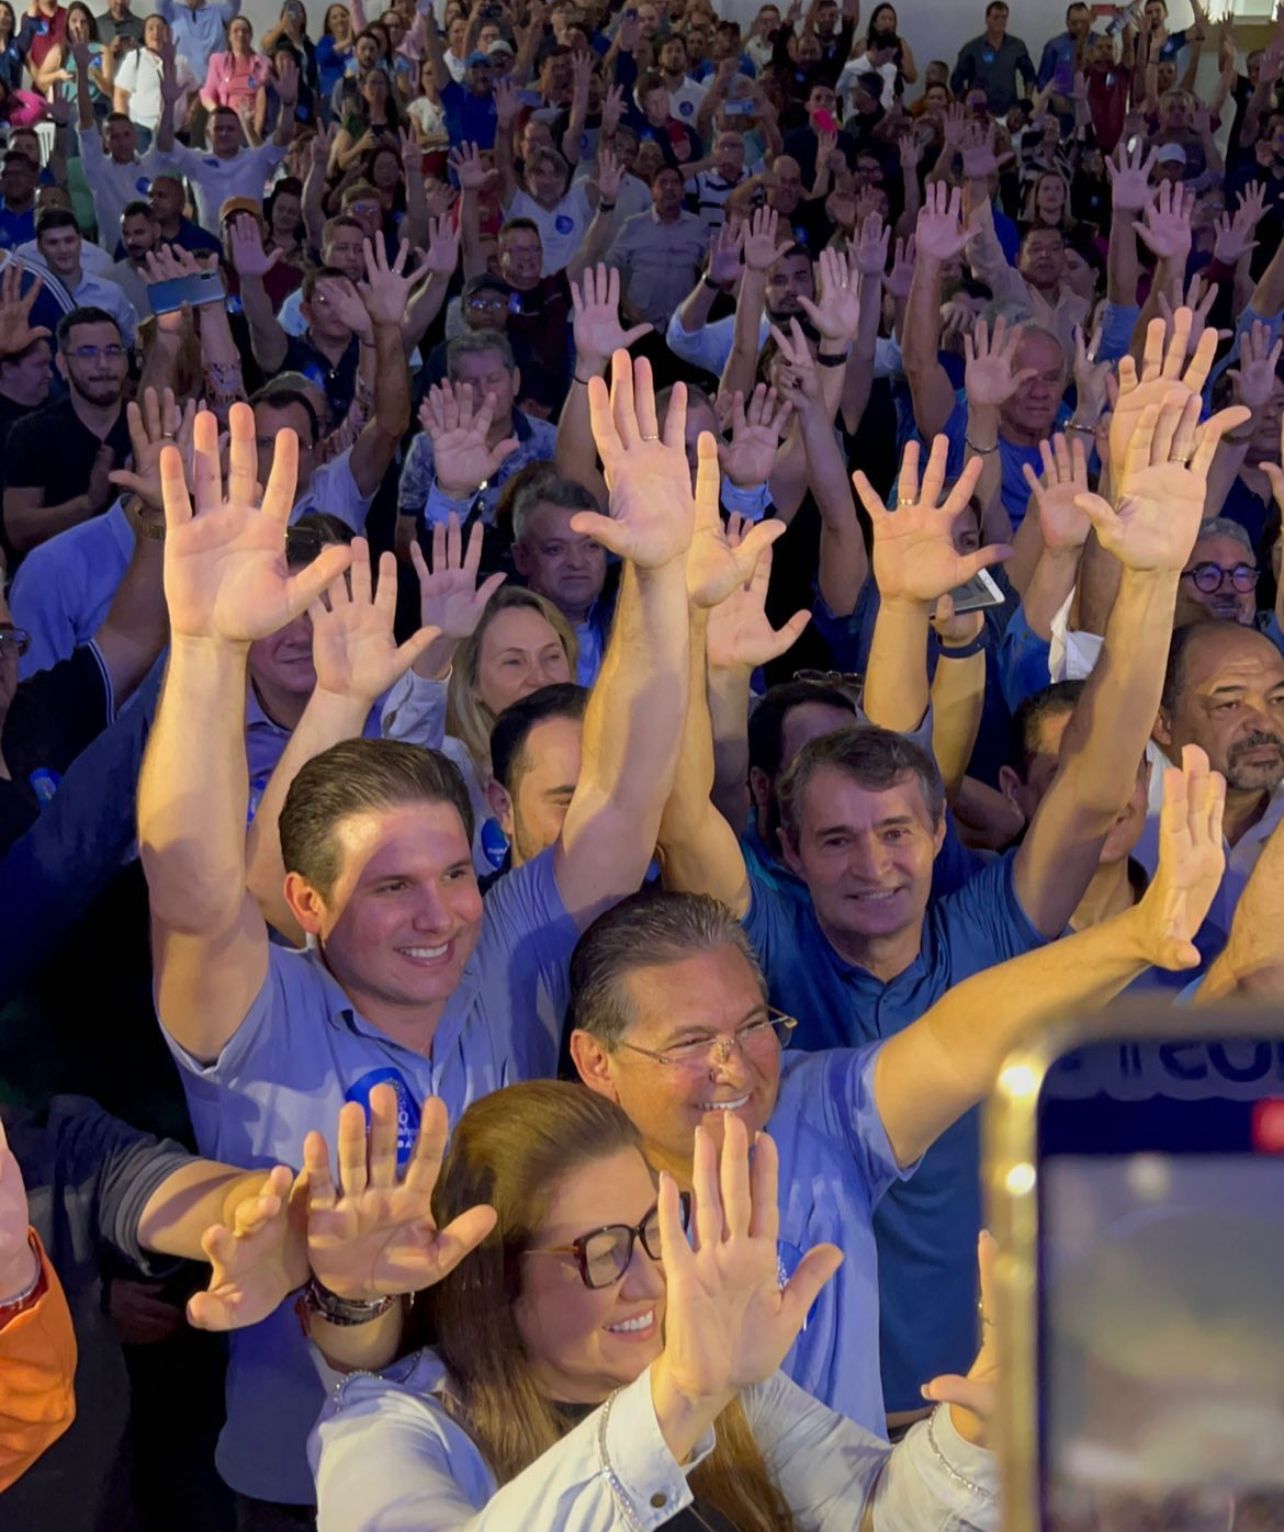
[(57, 460)]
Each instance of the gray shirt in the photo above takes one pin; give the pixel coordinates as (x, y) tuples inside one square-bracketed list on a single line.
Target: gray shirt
[(659, 261)]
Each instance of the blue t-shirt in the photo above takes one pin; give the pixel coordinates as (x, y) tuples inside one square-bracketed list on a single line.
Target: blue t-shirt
[(835, 1165), (926, 1228), (470, 119), (16, 228), (1016, 492), (301, 1052)]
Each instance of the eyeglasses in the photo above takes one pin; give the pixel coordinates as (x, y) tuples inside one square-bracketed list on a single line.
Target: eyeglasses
[(1211, 577), (604, 1255), (757, 1039), (92, 353), (17, 639), (846, 681)]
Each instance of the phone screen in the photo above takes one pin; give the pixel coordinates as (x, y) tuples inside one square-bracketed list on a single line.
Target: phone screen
[(973, 595), (1161, 1288)]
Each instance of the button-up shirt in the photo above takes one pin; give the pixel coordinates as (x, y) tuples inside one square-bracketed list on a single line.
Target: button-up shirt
[(420, 495), (659, 261), (201, 31), (1000, 70)]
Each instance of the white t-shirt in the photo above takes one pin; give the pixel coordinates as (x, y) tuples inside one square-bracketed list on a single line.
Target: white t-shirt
[(215, 180), (140, 75), (113, 186), (686, 100), (561, 229), (428, 116)]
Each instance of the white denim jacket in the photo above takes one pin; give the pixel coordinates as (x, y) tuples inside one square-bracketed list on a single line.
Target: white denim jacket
[(389, 1457)]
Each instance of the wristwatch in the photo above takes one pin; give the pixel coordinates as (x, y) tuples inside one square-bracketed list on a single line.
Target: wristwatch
[(344, 1311), (145, 521)]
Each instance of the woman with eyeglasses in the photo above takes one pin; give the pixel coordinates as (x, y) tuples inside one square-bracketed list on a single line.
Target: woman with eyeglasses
[(589, 1368)]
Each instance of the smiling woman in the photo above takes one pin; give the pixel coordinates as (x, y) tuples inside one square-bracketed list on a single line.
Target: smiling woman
[(579, 1380)]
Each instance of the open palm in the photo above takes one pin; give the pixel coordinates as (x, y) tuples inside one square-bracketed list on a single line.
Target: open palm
[(354, 651), (226, 575), (1192, 859), (728, 1321), (1161, 380), (717, 565), (450, 600), (740, 635), (253, 1266), (914, 554), (462, 460), (1062, 521), (374, 1235), (652, 509)]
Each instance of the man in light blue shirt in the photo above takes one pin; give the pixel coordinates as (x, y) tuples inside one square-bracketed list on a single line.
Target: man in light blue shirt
[(199, 28), (407, 978)]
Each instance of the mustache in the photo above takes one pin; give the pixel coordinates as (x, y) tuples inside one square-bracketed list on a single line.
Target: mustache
[(1255, 741)]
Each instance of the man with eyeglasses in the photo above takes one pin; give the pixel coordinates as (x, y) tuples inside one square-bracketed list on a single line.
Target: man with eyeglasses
[(50, 488), (1219, 582)]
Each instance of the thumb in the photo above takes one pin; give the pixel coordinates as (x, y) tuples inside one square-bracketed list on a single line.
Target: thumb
[(972, 1394), (788, 636), (601, 529), (502, 450), (415, 646), (635, 334), (983, 558), (1099, 512), (814, 1270), (755, 543)]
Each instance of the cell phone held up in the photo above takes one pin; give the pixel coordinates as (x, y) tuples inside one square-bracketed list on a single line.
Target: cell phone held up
[(195, 291)]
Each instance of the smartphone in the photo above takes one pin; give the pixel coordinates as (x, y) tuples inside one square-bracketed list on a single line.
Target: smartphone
[(1136, 1170), (196, 291), (743, 108), (825, 122), (977, 593), (531, 98)]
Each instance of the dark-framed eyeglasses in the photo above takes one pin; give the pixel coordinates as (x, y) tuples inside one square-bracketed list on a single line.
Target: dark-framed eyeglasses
[(17, 639), (756, 1039), (849, 682), (604, 1255), (113, 352), (1211, 577)]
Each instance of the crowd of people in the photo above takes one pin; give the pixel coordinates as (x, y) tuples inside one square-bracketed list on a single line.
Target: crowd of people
[(602, 611)]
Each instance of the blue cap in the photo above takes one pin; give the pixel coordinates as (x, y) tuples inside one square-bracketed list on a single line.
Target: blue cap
[(477, 57)]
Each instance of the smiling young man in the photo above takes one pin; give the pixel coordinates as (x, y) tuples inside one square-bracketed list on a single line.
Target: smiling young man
[(406, 978)]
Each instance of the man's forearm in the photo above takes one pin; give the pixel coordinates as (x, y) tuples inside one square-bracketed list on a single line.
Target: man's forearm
[(738, 374), (392, 382), (696, 307), (1122, 266), (267, 339), (728, 697), (193, 791), (896, 686), (136, 627)]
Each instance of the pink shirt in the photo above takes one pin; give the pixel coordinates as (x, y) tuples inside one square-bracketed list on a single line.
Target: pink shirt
[(233, 81), (24, 109)]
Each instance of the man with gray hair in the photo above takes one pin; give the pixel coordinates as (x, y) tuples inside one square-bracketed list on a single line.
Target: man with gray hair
[(566, 567), (474, 439)]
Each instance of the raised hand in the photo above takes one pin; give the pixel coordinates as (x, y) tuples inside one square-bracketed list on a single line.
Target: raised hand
[(724, 254), (373, 1235), (598, 333), (755, 436), (939, 233), (728, 1321), (442, 255), (761, 242), (439, 198), (354, 651), (170, 88), (1129, 172), (740, 636), (255, 1264), (609, 175), (386, 289), (462, 458), (507, 106), (979, 159), (901, 277), (226, 576), (153, 423), (1160, 498), (836, 312), (1091, 377), (287, 82), (1192, 860), (472, 172), (18, 1266), (652, 509), (868, 255), (989, 378), (249, 257), (914, 555), (1165, 225), (16, 331), (1254, 378), (1199, 299), (1161, 378), (1062, 522), (340, 296), (450, 599), (717, 561), (612, 110)]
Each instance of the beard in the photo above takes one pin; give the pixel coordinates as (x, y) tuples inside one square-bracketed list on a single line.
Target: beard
[(1255, 776)]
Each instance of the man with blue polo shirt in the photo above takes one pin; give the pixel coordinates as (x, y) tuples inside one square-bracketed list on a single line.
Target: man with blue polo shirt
[(670, 1019), (407, 977), (863, 823)]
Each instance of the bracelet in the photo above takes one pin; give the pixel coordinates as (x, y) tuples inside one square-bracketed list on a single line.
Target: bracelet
[(344, 1311), (583, 382), (1082, 430), (606, 207), (12, 1307), (831, 361), (963, 651), (980, 451), (960, 1479), (714, 287)]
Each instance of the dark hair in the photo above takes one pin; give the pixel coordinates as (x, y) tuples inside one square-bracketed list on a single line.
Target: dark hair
[(475, 343), (314, 530), (546, 484), (282, 398), (315, 274), (1028, 720), (56, 218), (514, 225), (647, 929), (563, 699), (289, 186), (136, 209), (84, 316), (767, 721), (349, 778), (79, 5), (875, 758)]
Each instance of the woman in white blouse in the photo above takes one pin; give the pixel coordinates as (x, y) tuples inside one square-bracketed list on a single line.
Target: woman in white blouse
[(137, 83), (577, 1383)]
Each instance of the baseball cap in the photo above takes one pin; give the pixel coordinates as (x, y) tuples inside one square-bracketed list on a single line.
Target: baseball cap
[(476, 57), (1171, 154), (485, 283), (501, 45), (233, 205)]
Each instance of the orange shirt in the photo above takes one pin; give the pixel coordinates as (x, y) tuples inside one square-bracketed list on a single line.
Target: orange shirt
[(37, 1368)]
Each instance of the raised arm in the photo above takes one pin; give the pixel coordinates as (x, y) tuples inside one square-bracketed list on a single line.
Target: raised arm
[(1151, 530), (384, 294), (927, 1076), (989, 382), (759, 250), (226, 584), (940, 237), (633, 723), (1130, 195), (268, 340), (473, 174)]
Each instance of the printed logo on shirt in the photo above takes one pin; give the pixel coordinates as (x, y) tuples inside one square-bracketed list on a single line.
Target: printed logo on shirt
[(686, 108), (788, 1260), (44, 783), (143, 186), (407, 1106), (494, 844), (988, 57), (563, 223), (213, 162)]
